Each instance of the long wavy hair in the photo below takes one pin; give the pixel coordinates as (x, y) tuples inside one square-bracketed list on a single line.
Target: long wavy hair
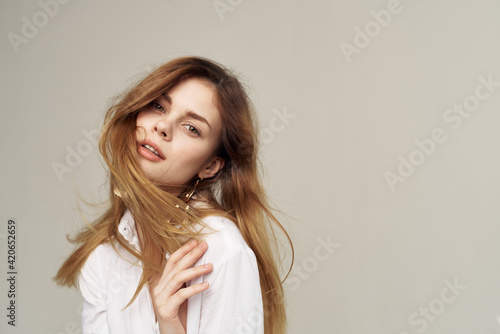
[(235, 192)]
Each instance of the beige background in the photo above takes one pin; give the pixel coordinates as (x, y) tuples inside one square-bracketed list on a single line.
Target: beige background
[(333, 126)]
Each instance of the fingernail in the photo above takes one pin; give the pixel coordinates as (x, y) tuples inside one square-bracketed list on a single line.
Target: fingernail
[(208, 265), (192, 242)]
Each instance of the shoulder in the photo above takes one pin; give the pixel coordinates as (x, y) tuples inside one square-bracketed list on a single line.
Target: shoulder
[(96, 263), (223, 225), (101, 259), (102, 253), (226, 245), (92, 276), (222, 232)]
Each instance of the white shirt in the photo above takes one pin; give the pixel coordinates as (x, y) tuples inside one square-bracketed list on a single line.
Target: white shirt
[(232, 303)]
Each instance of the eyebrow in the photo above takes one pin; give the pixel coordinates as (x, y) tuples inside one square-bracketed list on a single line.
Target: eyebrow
[(189, 112)]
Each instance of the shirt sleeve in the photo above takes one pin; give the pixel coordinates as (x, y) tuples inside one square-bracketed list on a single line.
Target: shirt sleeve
[(90, 281), (233, 301)]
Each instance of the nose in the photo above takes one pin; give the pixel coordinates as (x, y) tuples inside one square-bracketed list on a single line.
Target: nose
[(161, 127), (160, 132)]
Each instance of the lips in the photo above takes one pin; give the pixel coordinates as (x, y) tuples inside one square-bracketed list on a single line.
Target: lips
[(143, 149)]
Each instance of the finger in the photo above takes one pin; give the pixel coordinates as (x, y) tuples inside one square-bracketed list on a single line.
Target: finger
[(177, 255), (178, 280), (191, 257), (187, 261), (182, 251), (180, 296), (170, 306)]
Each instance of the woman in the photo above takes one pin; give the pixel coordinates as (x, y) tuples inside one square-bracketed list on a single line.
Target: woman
[(181, 147)]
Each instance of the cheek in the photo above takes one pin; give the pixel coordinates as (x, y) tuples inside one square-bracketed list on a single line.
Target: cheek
[(141, 123), (141, 119), (139, 134), (192, 156)]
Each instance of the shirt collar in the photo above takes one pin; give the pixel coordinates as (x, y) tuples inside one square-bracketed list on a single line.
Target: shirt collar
[(127, 228)]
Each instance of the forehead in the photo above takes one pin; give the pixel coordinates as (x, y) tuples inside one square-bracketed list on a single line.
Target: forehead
[(196, 95), (190, 84), (193, 91)]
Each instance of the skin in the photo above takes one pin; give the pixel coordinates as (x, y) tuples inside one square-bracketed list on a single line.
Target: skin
[(187, 145), (169, 293)]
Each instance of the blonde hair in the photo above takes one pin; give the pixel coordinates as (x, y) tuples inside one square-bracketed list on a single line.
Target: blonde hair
[(235, 192)]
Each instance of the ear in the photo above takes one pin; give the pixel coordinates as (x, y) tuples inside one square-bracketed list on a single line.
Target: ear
[(212, 168)]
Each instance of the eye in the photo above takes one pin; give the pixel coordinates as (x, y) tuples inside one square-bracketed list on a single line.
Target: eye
[(156, 106), (193, 130)]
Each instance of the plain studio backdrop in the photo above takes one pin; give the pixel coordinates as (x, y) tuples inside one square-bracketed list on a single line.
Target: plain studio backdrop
[(380, 142)]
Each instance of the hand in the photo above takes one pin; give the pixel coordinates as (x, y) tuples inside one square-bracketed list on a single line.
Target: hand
[(169, 291)]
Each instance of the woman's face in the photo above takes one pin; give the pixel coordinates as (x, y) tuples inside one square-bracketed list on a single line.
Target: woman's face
[(184, 129)]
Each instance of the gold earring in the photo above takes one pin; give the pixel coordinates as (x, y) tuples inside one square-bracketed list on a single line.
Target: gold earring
[(190, 194)]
